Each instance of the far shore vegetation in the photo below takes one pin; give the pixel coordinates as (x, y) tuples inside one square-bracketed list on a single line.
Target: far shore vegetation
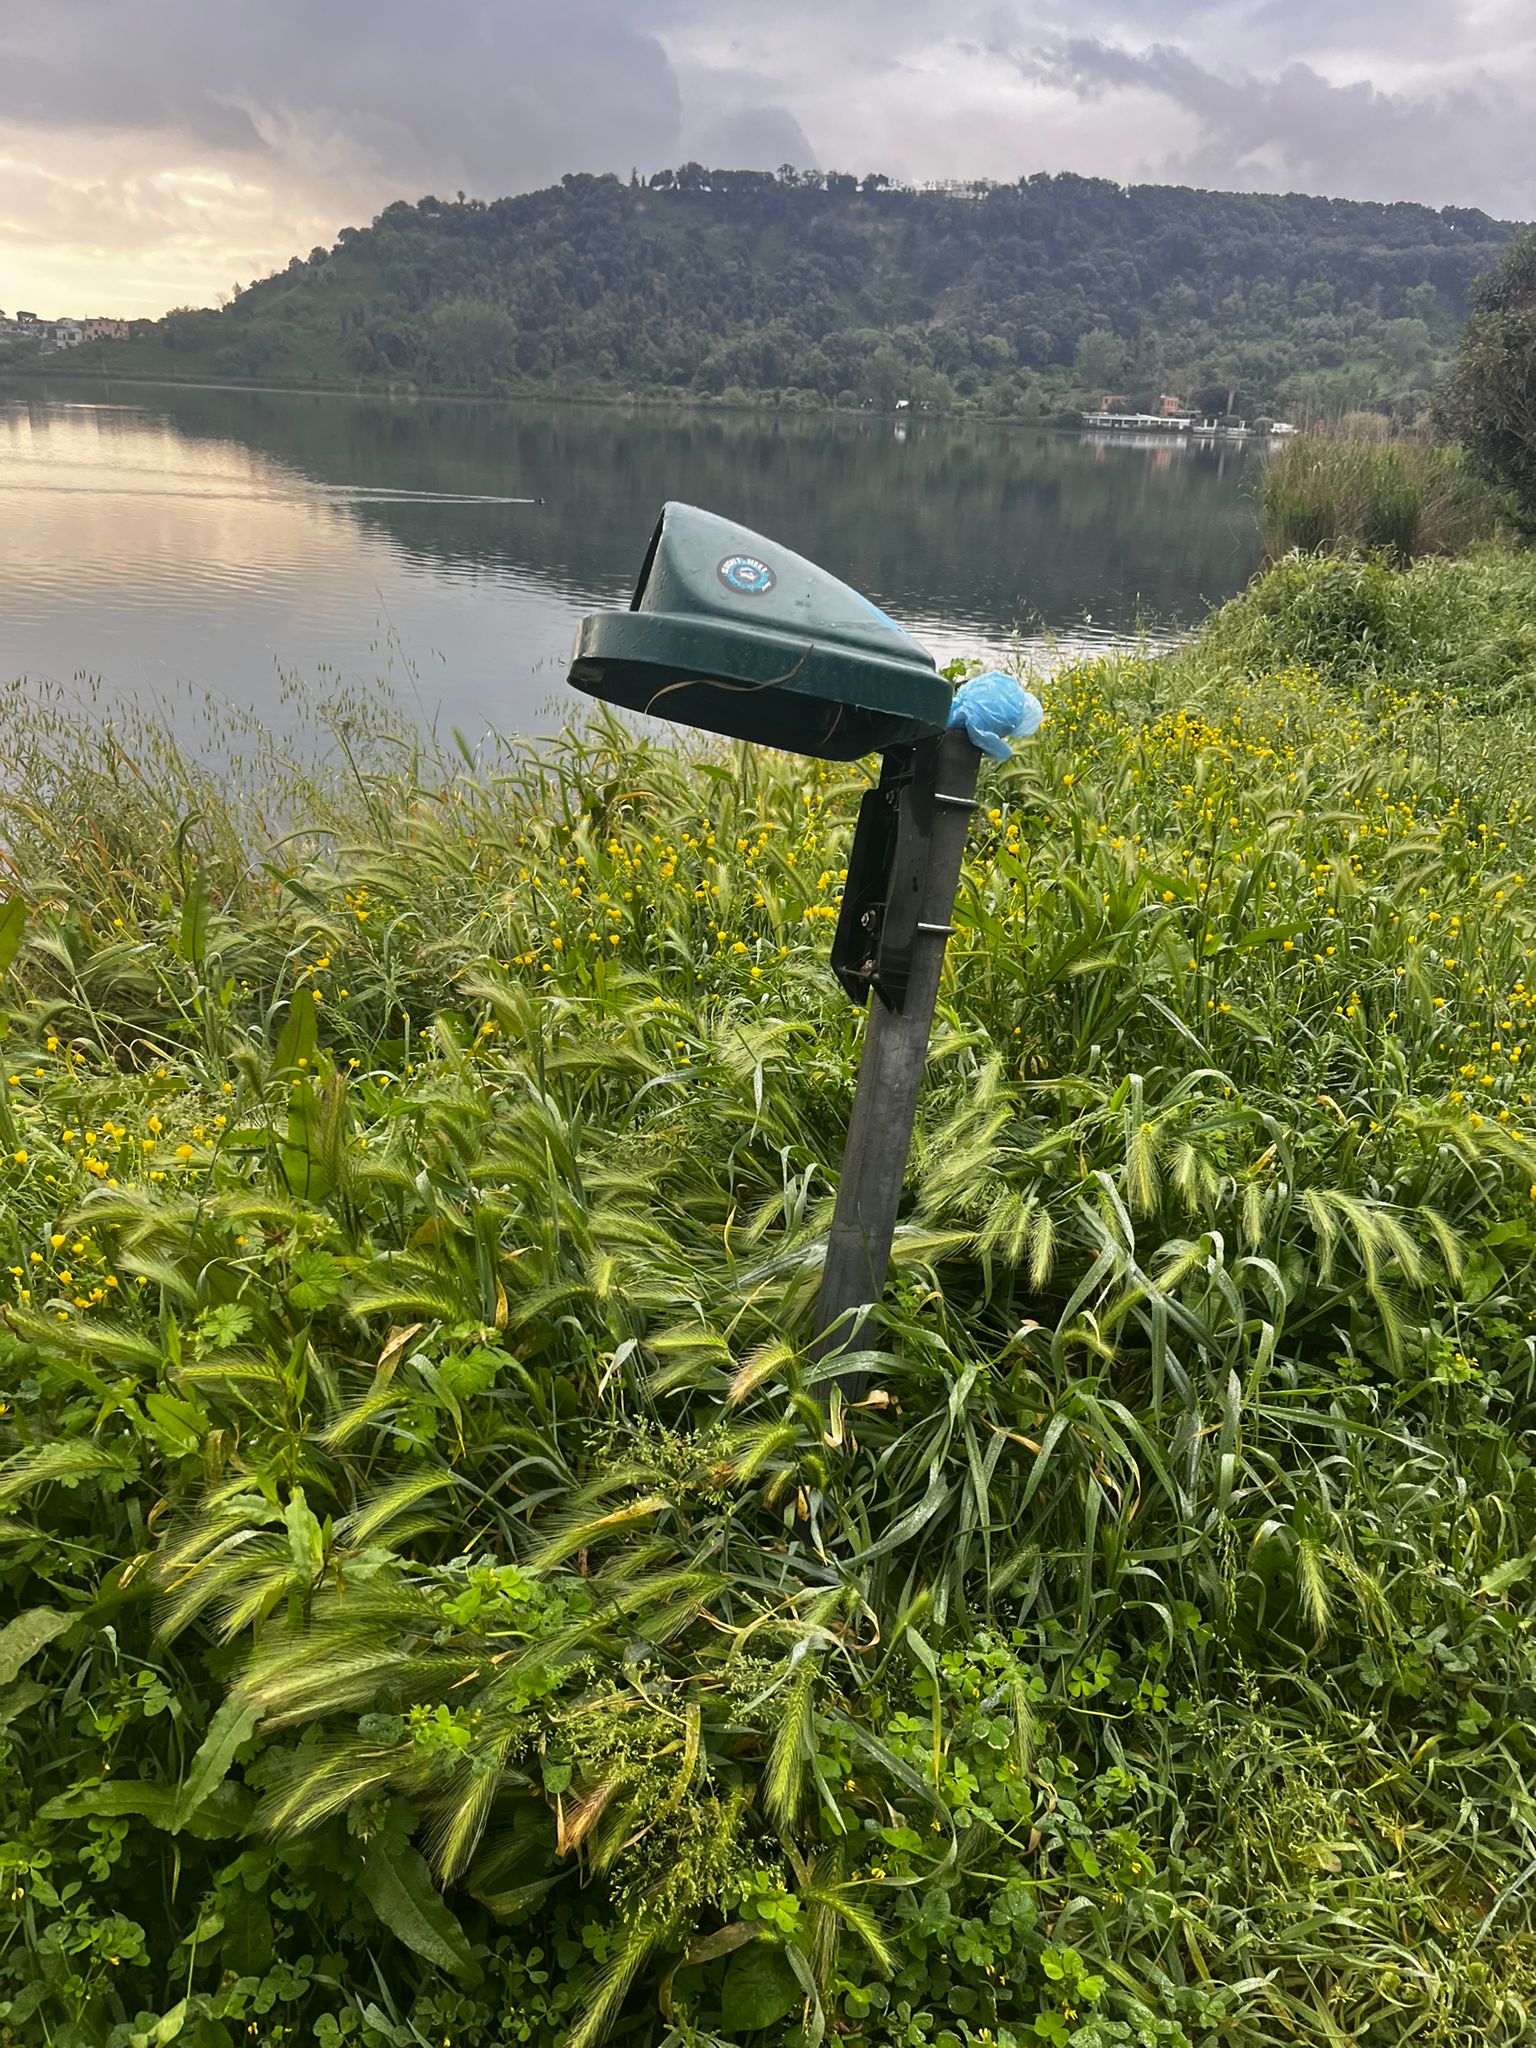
[(807, 289)]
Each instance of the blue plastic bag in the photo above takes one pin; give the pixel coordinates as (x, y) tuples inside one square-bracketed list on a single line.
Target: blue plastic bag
[(994, 709)]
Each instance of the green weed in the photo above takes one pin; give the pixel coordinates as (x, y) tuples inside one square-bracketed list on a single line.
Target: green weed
[(447, 1601)]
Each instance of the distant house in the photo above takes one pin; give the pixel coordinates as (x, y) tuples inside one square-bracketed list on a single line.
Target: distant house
[(103, 328), (1113, 401), (25, 319), (67, 333), (1168, 405)]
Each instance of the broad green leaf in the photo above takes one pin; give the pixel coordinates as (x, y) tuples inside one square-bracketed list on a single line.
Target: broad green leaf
[(177, 1426), (1483, 1274), (226, 1812), (319, 1279), (17, 1698), (13, 922), (21, 1639), (518, 1899), (165, 2029), (317, 1124), (192, 940), (1505, 1575), (231, 1726), (760, 1988), (305, 1539), (247, 1940), (296, 1041), (399, 1887)]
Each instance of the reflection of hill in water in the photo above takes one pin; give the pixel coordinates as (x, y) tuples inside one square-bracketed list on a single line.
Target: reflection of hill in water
[(989, 524)]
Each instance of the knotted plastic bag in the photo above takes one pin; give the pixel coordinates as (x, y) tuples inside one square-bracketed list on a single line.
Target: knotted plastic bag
[(994, 709)]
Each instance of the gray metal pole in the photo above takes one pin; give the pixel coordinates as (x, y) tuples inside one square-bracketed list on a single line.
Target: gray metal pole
[(890, 1076)]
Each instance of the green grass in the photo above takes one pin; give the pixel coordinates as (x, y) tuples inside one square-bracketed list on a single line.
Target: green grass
[(1352, 491), (452, 1606), (1461, 634)]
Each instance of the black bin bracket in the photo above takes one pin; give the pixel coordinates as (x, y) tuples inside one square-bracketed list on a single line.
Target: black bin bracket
[(879, 921)]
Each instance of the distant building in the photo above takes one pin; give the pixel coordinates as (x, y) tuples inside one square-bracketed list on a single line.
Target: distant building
[(1168, 405), (67, 333), (25, 319), (1139, 422), (104, 328), (1113, 401)]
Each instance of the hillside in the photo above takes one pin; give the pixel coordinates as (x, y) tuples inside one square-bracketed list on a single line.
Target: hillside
[(820, 289)]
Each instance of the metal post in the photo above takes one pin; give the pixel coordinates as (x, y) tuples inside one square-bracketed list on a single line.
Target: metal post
[(891, 1073)]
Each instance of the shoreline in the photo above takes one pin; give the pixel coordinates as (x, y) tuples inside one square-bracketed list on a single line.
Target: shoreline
[(633, 400)]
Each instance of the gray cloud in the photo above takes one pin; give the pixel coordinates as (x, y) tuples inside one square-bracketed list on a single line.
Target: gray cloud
[(1419, 27), (499, 94), (1263, 34), (750, 138), (1466, 143)]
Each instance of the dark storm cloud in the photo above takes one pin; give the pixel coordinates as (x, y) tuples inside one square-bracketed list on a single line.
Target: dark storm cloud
[(500, 93)]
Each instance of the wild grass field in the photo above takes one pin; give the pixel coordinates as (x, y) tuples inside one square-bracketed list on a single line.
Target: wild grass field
[(446, 1606)]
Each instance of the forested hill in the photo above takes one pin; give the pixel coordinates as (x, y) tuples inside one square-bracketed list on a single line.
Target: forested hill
[(816, 289)]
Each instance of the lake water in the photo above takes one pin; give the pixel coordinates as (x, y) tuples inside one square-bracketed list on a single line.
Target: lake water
[(176, 543)]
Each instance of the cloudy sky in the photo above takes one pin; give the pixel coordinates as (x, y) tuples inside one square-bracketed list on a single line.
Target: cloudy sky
[(154, 151)]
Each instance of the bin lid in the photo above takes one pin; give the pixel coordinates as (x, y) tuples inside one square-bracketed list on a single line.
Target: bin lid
[(733, 633)]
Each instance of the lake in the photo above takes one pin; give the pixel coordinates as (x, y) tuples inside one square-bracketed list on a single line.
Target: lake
[(181, 543)]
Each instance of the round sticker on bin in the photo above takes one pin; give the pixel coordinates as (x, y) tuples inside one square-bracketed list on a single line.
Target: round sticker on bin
[(746, 575)]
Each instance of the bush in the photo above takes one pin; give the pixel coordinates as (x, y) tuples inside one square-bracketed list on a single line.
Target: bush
[(449, 1601), (1463, 632)]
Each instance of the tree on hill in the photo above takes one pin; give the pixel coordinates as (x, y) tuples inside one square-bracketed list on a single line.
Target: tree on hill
[(828, 288), (1489, 403)]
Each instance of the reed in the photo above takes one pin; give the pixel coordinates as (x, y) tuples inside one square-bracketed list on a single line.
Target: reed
[(1352, 492)]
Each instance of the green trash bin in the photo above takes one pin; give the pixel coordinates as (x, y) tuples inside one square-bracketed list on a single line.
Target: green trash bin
[(737, 635)]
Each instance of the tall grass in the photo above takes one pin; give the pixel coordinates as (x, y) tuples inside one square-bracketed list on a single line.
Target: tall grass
[(453, 1605), (1402, 498)]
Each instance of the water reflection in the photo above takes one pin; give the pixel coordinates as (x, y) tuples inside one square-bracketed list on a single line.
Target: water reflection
[(219, 535)]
